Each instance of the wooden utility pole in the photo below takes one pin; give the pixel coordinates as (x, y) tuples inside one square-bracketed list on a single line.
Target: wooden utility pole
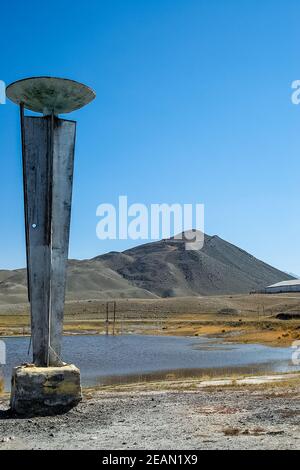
[(107, 320), (114, 320)]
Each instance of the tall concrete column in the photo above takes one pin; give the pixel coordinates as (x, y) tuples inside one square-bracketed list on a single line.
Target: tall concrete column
[(49, 386), (48, 156)]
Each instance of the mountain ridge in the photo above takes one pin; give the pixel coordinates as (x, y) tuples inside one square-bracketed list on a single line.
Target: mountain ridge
[(162, 268)]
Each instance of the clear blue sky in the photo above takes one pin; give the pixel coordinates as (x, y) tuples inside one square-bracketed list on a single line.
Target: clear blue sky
[(193, 105)]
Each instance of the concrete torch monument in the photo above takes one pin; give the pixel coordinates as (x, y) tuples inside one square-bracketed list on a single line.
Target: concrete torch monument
[(49, 385)]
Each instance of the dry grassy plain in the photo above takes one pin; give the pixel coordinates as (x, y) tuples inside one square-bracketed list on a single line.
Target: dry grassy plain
[(239, 318)]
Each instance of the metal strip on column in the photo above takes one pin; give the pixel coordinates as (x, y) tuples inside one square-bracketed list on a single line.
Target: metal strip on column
[(62, 168)]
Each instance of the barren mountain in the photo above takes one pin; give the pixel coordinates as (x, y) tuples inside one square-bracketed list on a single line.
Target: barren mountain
[(160, 269)]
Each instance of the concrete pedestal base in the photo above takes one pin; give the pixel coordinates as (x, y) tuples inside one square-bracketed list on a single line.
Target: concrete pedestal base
[(42, 391)]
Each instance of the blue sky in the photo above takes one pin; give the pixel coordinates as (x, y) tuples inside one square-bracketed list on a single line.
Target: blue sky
[(193, 105)]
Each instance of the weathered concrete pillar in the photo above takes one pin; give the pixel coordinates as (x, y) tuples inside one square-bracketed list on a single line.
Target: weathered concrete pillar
[(48, 153), (48, 156)]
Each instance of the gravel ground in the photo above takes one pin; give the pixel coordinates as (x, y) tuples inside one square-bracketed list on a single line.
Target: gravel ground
[(219, 418)]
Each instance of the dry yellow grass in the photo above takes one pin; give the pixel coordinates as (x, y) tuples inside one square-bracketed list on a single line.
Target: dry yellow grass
[(1, 385), (288, 386), (254, 319), (244, 330)]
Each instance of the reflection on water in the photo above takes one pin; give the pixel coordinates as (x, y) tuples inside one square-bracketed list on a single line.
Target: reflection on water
[(131, 358), (178, 374)]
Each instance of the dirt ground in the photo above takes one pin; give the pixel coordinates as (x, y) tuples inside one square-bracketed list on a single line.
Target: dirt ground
[(247, 417)]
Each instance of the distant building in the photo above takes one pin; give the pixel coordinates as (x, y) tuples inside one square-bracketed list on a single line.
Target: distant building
[(284, 286)]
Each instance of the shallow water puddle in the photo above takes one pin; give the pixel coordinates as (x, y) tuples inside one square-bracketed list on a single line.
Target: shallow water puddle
[(107, 360)]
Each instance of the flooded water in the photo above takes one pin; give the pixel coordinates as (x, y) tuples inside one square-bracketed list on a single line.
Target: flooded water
[(118, 359)]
